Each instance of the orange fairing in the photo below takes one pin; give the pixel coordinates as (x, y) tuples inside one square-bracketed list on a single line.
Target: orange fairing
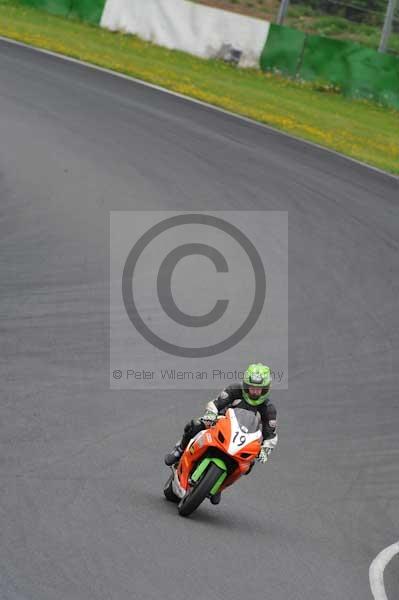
[(228, 437)]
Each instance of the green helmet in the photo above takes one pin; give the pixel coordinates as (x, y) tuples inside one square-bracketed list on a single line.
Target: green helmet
[(256, 376)]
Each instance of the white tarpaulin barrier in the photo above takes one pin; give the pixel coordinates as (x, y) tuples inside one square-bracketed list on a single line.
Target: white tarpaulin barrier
[(193, 28)]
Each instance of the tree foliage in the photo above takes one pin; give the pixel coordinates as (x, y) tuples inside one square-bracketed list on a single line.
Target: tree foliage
[(362, 11)]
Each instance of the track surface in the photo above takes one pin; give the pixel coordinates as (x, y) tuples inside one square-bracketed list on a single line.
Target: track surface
[(81, 512)]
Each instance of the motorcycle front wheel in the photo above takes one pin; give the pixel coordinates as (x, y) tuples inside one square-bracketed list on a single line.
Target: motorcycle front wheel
[(200, 491)]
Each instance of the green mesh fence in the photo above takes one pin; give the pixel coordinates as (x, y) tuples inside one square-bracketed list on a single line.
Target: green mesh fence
[(85, 10), (55, 7), (358, 71), (283, 50)]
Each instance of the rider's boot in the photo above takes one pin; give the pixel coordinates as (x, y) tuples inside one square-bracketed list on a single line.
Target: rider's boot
[(215, 499), (174, 456)]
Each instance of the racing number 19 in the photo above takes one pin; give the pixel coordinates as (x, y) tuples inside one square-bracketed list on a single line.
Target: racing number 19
[(242, 439)]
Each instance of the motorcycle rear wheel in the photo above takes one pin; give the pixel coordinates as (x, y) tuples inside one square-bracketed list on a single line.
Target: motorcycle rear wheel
[(200, 491)]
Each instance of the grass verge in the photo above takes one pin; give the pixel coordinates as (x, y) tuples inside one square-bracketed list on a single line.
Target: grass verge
[(358, 129)]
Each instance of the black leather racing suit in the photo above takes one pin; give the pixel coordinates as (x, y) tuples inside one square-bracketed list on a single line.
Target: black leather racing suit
[(232, 396)]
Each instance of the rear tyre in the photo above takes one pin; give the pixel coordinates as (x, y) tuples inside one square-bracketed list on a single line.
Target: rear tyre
[(168, 491), (201, 491)]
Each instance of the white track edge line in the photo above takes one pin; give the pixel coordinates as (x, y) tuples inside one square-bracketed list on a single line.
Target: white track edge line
[(199, 102), (376, 571)]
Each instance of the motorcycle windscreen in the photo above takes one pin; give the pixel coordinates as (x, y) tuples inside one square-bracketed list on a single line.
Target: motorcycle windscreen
[(249, 421)]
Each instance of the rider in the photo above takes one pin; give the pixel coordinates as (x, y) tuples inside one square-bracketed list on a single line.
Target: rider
[(251, 394)]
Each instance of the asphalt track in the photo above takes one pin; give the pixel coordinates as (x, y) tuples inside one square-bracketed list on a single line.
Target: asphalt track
[(81, 512)]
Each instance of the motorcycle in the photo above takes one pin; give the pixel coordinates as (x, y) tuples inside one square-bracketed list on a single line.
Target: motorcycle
[(214, 459)]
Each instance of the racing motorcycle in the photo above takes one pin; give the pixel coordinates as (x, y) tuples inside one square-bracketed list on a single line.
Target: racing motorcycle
[(214, 459)]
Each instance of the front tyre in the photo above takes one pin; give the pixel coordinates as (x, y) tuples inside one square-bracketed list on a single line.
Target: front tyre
[(200, 491)]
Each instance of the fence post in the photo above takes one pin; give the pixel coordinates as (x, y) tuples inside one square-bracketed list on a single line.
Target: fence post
[(386, 31), (283, 11)]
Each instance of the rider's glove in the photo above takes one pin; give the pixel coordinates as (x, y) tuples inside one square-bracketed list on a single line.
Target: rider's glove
[(209, 418), (266, 449), (263, 456)]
